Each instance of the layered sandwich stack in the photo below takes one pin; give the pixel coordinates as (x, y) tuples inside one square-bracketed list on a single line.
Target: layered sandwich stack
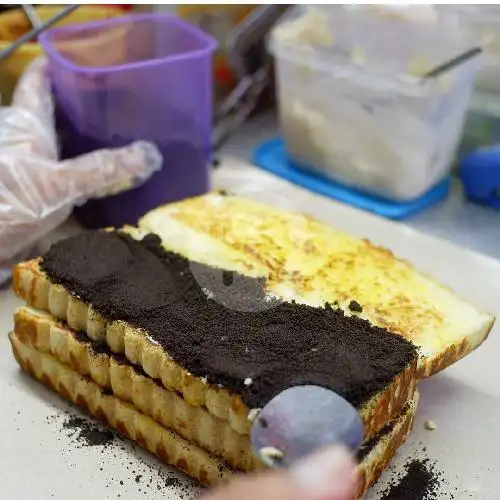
[(173, 332)]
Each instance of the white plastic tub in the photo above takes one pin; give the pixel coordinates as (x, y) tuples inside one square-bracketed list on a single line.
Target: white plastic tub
[(353, 105)]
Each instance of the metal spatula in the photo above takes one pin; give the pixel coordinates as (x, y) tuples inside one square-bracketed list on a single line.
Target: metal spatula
[(300, 420)]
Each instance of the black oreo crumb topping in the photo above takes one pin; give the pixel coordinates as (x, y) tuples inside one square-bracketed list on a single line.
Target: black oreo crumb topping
[(256, 350), (87, 433), (368, 446), (355, 306), (421, 480)]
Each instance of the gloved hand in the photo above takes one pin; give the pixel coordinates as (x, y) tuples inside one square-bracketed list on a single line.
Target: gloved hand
[(327, 475), (37, 191)]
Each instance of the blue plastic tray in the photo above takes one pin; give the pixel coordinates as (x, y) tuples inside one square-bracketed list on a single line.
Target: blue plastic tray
[(271, 156)]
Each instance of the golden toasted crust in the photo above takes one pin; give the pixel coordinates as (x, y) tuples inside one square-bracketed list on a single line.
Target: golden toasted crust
[(377, 461), (194, 423), (120, 415), (311, 262), (31, 284), (167, 445)]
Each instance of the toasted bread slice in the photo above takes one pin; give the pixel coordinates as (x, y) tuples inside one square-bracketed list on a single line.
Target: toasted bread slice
[(311, 262), (169, 446), (120, 415), (194, 423), (44, 334), (31, 284)]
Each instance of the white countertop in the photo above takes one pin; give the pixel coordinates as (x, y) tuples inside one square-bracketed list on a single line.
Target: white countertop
[(464, 401)]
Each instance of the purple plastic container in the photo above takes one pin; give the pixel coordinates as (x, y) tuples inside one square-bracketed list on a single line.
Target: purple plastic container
[(144, 76)]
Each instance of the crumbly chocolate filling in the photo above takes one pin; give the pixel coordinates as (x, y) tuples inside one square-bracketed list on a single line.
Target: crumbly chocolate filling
[(368, 446), (100, 348), (227, 329), (421, 481)]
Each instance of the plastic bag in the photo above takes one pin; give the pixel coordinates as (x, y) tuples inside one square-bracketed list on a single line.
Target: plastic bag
[(37, 191)]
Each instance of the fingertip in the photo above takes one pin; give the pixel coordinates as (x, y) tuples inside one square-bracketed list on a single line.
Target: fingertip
[(330, 474), (151, 154)]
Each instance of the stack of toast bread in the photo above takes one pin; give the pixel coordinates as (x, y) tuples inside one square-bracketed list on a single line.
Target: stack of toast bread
[(173, 331)]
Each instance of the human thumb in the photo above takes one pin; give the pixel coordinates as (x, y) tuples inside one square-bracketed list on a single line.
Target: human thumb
[(327, 475)]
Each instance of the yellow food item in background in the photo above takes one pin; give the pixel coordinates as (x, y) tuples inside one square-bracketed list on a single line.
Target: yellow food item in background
[(14, 23)]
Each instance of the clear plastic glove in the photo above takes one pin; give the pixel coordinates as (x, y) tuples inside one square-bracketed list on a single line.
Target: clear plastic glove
[(37, 191)]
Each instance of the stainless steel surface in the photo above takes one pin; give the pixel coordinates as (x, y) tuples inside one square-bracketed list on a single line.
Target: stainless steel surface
[(302, 419)]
